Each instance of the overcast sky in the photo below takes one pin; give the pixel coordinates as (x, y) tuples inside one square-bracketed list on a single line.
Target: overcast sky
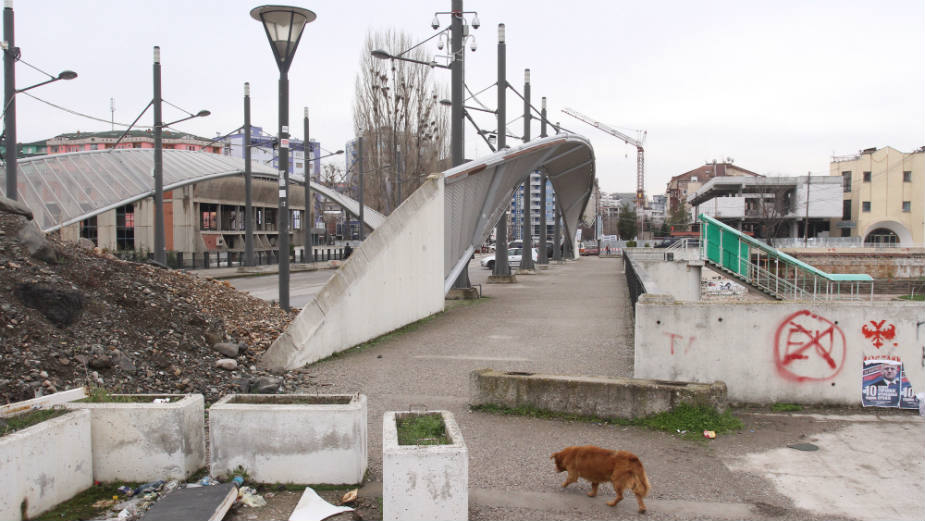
[(778, 86)]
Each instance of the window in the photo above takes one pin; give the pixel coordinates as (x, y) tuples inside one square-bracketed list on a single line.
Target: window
[(907, 176), (907, 206), (125, 227), (846, 210), (845, 232), (208, 216), (846, 180), (865, 206), (866, 177), (88, 229)]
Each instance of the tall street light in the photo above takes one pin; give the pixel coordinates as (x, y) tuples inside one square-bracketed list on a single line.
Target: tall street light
[(502, 268), (526, 260), (10, 56), (248, 189), (283, 26), (160, 255)]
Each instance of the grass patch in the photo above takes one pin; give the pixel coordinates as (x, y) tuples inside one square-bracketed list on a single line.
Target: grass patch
[(421, 429), (786, 407), (102, 395), (21, 421), (689, 420), (82, 506), (918, 298)]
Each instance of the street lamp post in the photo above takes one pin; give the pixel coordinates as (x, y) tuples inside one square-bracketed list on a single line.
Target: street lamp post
[(542, 257), (248, 189), (10, 55), (502, 267), (307, 219), (283, 26), (526, 259), (160, 255)]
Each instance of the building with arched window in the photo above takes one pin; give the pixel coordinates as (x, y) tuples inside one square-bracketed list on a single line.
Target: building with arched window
[(884, 196)]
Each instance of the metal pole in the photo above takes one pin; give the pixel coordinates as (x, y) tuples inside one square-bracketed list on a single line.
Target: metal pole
[(248, 193), (502, 267), (809, 177), (542, 258), (557, 235), (9, 100), (159, 255), (526, 259), (307, 220), (457, 73), (360, 182), (395, 163), (283, 240)]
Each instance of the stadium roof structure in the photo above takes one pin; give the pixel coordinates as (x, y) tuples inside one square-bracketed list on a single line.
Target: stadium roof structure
[(62, 189)]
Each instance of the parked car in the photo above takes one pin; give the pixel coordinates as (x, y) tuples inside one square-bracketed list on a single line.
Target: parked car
[(513, 258), (520, 244), (589, 248)]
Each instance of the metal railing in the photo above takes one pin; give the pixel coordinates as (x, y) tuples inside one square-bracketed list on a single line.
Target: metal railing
[(633, 282), (772, 271)]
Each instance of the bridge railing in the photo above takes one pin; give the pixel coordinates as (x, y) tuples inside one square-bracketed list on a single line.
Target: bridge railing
[(772, 270)]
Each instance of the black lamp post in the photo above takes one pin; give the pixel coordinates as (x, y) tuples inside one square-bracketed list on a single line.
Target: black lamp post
[(10, 55), (283, 26)]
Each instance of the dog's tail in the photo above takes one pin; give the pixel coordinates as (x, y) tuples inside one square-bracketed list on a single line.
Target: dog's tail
[(641, 485)]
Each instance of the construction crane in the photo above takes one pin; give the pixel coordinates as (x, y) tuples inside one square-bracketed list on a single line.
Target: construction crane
[(640, 153)]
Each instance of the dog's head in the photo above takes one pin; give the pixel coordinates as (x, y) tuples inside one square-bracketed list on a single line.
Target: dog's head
[(558, 459)]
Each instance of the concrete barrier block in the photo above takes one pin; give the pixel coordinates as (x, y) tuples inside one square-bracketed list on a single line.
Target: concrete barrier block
[(588, 395), (293, 438), (45, 464), (147, 441), (424, 482)]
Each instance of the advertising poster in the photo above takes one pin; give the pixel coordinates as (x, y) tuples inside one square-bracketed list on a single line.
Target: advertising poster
[(880, 383), (907, 398)]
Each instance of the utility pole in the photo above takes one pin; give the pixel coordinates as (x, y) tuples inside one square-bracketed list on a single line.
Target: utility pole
[(307, 220), (359, 163), (160, 256), (542, 257), (9, 96), (809, 176), (248, 190)]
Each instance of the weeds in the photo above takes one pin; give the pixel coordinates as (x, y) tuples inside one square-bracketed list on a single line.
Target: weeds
[(685, 419), (21, 421), (86, 505), (421, 429), (786, 407)]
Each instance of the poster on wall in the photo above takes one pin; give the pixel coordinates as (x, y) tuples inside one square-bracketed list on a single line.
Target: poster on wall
[(884, 384), (880, 383)]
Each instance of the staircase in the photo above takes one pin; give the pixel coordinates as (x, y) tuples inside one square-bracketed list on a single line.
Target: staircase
[(772, 271)]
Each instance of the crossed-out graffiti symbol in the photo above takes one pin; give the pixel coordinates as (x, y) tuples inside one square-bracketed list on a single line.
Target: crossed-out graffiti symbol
[(808, 347)]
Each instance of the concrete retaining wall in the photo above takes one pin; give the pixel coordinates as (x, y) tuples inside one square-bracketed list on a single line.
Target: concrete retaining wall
[(146, 441), (770, 352), (394, 278), (678, 278), (45, 464), (295, 438), (879, 263), (589, 396), (424, 482)]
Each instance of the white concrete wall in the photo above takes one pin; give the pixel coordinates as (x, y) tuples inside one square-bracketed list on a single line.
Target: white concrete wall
[(724, 207), (45, 464), (394, 278), (747, 346), (278, 442), (825, 198), (424, 482), (137, 441), (679, 278)]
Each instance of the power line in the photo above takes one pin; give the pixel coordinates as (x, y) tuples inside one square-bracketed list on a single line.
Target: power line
[(74, 112)]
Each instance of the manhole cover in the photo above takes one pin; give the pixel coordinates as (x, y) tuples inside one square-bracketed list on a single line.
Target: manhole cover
[(806, 447)]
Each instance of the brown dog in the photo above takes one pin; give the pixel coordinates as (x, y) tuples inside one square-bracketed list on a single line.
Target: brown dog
[(597, 465)]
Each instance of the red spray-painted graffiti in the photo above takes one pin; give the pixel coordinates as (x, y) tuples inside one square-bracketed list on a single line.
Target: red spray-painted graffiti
[(808, 347), (879, 333), (673, 336)]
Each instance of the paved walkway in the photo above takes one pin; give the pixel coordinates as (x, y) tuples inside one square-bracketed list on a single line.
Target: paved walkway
[(574, 319)]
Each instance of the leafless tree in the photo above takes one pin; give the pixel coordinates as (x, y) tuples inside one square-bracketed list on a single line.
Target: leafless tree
[(397, 111)]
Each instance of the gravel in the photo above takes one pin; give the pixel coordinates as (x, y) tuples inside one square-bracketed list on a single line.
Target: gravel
[(84, 317)]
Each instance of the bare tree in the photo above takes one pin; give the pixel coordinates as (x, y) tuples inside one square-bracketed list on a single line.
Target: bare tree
[(397, 111)]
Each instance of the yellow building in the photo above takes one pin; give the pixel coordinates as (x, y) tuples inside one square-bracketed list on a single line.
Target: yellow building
[(884, 196)]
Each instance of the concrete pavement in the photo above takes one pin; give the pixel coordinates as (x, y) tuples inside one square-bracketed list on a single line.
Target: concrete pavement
[(574, 319)]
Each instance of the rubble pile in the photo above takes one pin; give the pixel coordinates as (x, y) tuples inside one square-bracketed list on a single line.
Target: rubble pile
[(72, 315)]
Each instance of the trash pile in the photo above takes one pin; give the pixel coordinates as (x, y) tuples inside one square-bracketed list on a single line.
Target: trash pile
[(720, 287), (133, 503)]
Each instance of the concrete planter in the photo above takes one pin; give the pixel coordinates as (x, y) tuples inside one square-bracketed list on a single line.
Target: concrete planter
[(147, 441), (45, 464), (423, 482), (293, 438)]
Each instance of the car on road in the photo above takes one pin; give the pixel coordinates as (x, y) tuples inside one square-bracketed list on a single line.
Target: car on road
[(514, 255), (589, 248)]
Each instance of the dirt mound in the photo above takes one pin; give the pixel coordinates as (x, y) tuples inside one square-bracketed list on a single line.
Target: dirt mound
[(84, 317)]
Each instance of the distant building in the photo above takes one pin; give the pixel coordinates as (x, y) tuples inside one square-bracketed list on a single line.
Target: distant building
[(883, 196), (86, 141), (680, 186), (771, 207), (536, 219), (263, 149)]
